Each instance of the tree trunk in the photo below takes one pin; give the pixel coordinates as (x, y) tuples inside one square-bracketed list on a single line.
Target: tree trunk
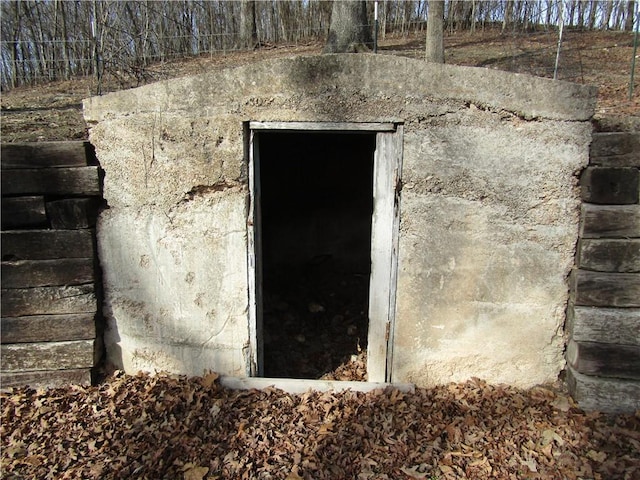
[(592, 14), (435, 32), (248, 30), (631, 9), (14, 50), (383, 19), (451, 15), (508, 15), (549, 11), (349, 31), (65, 44), (607, 16), (473, 16), (572, 11), (620, 14), (39, 60), (581, 10)]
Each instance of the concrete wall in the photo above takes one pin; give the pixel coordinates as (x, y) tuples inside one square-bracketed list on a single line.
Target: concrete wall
[(489, 210)]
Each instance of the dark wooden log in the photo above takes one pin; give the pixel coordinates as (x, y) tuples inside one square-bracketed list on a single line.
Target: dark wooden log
[(47, 244), (600, 289), (615, 149), (47, 273), (613, 186), (619, 326), (23, 357), (609, 255), (608, 221), (79, 181), (48, 300), (609, 395), (47, 378), (48, 328), (47, 154), (24, 212), (604, 359), (73, 213)]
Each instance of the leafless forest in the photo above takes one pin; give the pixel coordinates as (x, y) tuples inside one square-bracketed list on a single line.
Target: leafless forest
[(45, 40)]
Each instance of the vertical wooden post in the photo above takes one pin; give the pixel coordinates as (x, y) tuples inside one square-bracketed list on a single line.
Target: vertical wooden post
[(384, 241)]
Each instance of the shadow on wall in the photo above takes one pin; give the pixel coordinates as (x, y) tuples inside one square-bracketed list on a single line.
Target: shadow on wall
[(111, 338), (320, 75), (176, 284)]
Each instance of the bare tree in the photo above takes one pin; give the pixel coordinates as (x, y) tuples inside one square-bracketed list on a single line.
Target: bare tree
[(45, 40), (248, 29), (631, 8), (508, 15), (435, 32), (349, 30), (592, 14)]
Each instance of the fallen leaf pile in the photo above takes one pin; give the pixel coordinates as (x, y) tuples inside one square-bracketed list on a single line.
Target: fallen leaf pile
[(166, 426), (315, 321), (353, 370)]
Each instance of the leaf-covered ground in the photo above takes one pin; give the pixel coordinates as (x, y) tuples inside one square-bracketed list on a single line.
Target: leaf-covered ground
[(173, 427)]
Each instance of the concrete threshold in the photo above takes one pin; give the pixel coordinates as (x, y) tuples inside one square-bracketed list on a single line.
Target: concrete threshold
[(297, 385)]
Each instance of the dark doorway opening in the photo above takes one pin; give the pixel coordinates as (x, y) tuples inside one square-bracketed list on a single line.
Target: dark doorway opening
[(316, 192)]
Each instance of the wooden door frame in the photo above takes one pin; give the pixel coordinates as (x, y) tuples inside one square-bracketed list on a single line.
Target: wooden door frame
[(387, 167)]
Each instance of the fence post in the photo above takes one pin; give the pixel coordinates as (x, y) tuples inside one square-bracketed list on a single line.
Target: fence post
[(561, 19), (633, 59), (375, 30), (96, 47)]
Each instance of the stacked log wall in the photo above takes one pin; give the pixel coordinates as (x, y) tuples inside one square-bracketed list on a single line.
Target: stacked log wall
[(603, 320), (51, 195)]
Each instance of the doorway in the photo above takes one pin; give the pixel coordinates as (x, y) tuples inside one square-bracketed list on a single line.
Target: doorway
[(312, 249)]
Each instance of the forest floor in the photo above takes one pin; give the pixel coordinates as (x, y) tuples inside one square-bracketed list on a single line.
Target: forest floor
[(165, 426), (53, 111)]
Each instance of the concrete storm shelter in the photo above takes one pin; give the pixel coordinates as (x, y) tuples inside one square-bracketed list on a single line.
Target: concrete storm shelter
[(443, 200)]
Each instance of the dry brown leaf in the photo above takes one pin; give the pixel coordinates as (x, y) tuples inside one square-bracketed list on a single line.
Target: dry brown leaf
[(549, 436), (33, 460), (294, 476), (597, 456), (209, 379), (480, 462), (162, 427), (447, 471), (195, 472), (530, 463), (414, 472), (325, 429)]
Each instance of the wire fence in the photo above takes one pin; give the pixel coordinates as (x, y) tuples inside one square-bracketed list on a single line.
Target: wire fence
[(43, 41)]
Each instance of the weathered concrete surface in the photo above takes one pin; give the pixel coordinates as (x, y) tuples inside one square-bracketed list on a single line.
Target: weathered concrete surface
[(488, 229), (488, 210), (176, 279)]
